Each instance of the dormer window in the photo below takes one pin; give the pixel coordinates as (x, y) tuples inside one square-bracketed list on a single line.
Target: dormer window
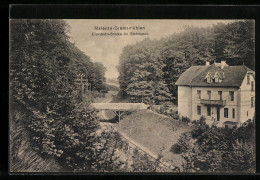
[(217, 78), (209, 78), (213, 78)]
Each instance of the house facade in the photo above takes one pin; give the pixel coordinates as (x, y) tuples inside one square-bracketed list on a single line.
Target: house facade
[(223, 94)]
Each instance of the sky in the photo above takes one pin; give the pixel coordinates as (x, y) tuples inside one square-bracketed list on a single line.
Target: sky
[(107, 49)]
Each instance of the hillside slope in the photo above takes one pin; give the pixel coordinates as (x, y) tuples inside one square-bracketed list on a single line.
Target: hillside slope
[(154, 131)]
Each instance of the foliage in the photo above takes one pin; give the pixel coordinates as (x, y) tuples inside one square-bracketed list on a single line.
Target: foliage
[(141, 75), (241, 159), (149, 69), (98, 77), (60, 131), (182, 146), (235, 43), (212, 149), (185, 119), (175, 115), (23, 156), (202, 120), (44, 72), (112, 87)]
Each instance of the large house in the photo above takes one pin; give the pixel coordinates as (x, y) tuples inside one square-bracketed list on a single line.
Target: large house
[(223, 94)]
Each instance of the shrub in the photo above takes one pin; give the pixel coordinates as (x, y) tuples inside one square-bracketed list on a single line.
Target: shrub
[(176, 148), (162, 109), (112, 87), (96, 94), (185, 119), (24, 156), (202, 120), (241, 158), (213, 149), (175, 115), (183, 144)]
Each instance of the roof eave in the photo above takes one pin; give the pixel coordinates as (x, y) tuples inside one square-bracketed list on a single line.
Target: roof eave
[(214, 86)]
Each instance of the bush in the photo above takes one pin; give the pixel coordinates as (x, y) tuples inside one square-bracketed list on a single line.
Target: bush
[(66, 138), (241, 158), (24, 156), (183, 144), (163, 109), (96, 94), (185, 119), (175, 115), (213, 149), (112, 87), (202, 120)]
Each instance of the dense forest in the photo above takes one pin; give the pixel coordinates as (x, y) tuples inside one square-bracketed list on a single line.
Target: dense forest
[(51, 84), (149, 69)]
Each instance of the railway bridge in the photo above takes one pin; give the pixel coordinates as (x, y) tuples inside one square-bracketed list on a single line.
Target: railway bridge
[(119, 108)]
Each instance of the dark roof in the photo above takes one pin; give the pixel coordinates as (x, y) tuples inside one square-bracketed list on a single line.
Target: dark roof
[(189, 74), (195, 76)]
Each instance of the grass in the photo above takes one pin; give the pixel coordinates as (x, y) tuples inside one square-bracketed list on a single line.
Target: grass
[(155, 132)]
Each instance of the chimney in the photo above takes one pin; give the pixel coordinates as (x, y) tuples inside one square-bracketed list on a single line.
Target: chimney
[(207, 63), (223, 64)]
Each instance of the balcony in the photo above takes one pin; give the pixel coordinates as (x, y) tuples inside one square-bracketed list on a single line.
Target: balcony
[(213, 102)]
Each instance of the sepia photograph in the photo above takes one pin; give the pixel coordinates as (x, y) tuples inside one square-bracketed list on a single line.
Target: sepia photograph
[(132, 96)]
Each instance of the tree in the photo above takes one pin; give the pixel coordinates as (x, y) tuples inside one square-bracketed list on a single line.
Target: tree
[(193, 46), (99, 77), (141, 73), (235, 43), (44, 67), (212, 149), (166, 59)]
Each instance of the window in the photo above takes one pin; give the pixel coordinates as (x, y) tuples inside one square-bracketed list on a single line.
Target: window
[(217, 77), (209, 94), (208, 110), (209, 78), (199, 94), (231, 94), (198, 110), (252, 101), (252, 85), (220, 95), (233, 113), (226, 112), (248, 79), (247, 113)]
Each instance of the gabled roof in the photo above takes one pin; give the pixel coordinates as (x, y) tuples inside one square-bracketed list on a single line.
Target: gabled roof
[(189, 74), (195, 76)]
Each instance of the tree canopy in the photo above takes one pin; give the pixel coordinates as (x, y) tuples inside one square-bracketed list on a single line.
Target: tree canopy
[(44, 71), (150, 64)]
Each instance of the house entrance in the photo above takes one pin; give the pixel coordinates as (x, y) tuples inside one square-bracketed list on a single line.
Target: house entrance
[(218, 113)]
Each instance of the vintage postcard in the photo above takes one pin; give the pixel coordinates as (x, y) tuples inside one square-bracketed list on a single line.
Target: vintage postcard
[(132, 96)]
